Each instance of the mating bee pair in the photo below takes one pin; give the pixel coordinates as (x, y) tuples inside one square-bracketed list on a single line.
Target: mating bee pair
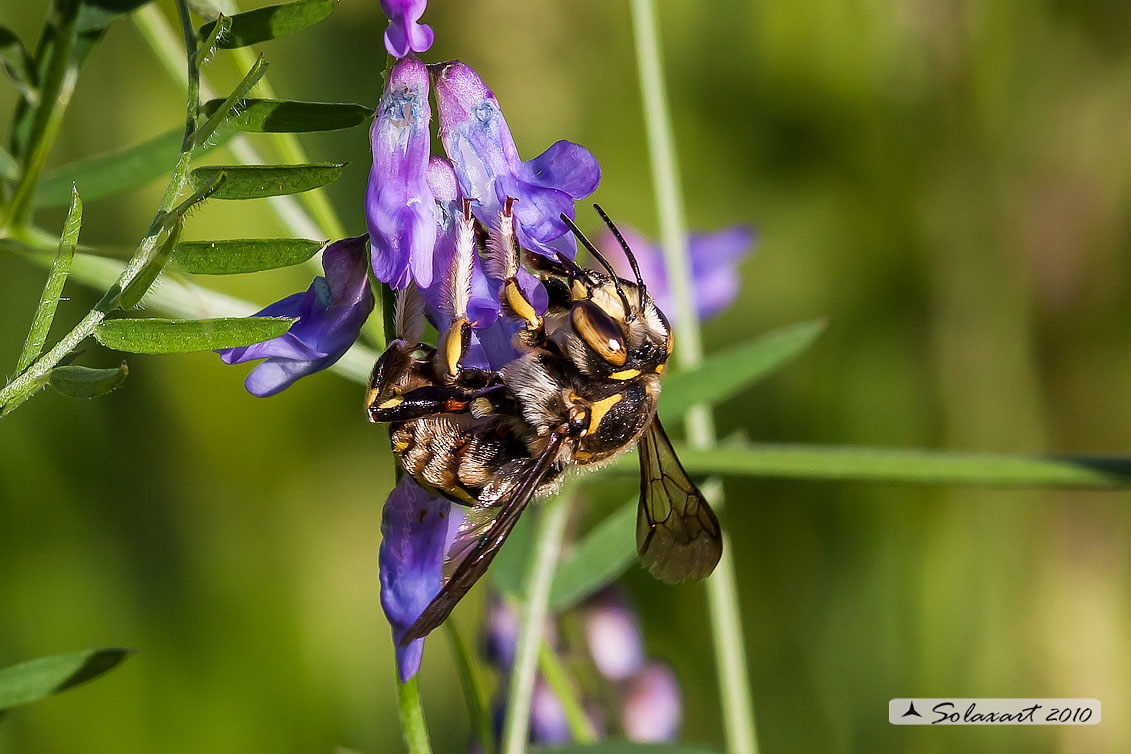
[(583, 389)]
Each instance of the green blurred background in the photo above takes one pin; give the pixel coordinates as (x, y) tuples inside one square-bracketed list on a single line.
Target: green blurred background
[(947, 182)]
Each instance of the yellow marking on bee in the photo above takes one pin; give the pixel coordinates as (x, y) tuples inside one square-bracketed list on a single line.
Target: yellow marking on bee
[(370, 397), (393, 402), (401, 445), (626, 374), (579, 291), (660, 368), (461, 493), (582, 455), (517, 301), (598, 410), (453, 345)]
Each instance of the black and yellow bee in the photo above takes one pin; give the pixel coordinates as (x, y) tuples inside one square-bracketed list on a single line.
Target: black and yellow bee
[(583, 389)]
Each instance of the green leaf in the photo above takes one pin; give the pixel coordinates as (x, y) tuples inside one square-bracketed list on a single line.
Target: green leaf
[(289, 116), (97, 14), (221, 112), (274, 21), (184, 335), (910, 465), (243, 255), (85, 382), (596, 559), (17, 63), (729, 372), (258, 181), (623, 747), (116, 172), (139, 286), (9, 168), (53, 289), (40, 678)]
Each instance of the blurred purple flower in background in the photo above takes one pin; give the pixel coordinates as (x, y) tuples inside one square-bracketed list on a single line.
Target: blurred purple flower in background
[(330, 315), (714, 266), (404, 34), (480, 146), (415, 526), (653, 706), (613, 636), (398, 203)]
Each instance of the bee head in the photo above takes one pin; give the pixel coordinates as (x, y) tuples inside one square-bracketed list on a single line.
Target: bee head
[(614, 328)]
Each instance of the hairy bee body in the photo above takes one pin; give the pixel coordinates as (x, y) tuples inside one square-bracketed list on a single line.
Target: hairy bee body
[(582, 389)]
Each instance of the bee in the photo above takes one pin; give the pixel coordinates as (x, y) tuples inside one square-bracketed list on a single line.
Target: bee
[(583, 389)]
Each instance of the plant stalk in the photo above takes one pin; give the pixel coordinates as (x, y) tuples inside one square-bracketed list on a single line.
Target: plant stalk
[(722, 591)]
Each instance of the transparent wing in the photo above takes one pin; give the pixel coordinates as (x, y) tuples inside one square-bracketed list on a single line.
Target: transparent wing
[(482, 535), (677, 534)]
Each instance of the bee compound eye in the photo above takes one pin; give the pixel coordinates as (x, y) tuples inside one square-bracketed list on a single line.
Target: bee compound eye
[(599, 331)]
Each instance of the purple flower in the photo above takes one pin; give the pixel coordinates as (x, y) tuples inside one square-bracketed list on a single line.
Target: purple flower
[(613, 635), (653, 708), (415, 526), (404, 34), (714, 266), (486, 161), (548, 723), (330, 315), (399, 206)]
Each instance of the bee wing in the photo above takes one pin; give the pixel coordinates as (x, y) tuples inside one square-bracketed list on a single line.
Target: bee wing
[(480, 539), (677, 534)]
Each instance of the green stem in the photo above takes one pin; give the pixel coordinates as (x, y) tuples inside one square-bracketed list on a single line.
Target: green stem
[(321, 222), (473, 690), (722, 591), (547, 548), (559, 682), (413, 727), (54, 96), (25, 384)]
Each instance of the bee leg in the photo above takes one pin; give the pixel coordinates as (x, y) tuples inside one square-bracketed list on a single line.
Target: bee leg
[(436, 399), (503, 255)]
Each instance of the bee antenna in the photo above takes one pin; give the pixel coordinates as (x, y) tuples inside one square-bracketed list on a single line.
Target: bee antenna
[(604, 262), (627, 251)]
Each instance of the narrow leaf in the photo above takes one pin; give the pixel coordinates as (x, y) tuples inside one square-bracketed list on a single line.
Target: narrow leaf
[(85, 382), (274, 21), (289, 116), (599, 558), (139, 286), (207, 45), (258, 181), (184, 335), (9, 168), (905, 465), (243, 255), (116, 172), (49, 300), (728, 373), (17, 63), (40, 678), (224, 108), (95, 15)]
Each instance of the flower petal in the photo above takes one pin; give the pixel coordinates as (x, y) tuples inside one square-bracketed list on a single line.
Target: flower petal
[(404, 35), (414, 539), (567, 167), (398, 203)]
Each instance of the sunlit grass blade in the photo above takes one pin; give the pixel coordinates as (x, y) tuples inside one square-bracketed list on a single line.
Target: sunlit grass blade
[(53, 289), (597, 559), (40, 678), (86, 382), (113, 173), (241, 255), (259, 181), (184, 335), (222, 110), (274, 21), (727, 373), (290, 116)]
